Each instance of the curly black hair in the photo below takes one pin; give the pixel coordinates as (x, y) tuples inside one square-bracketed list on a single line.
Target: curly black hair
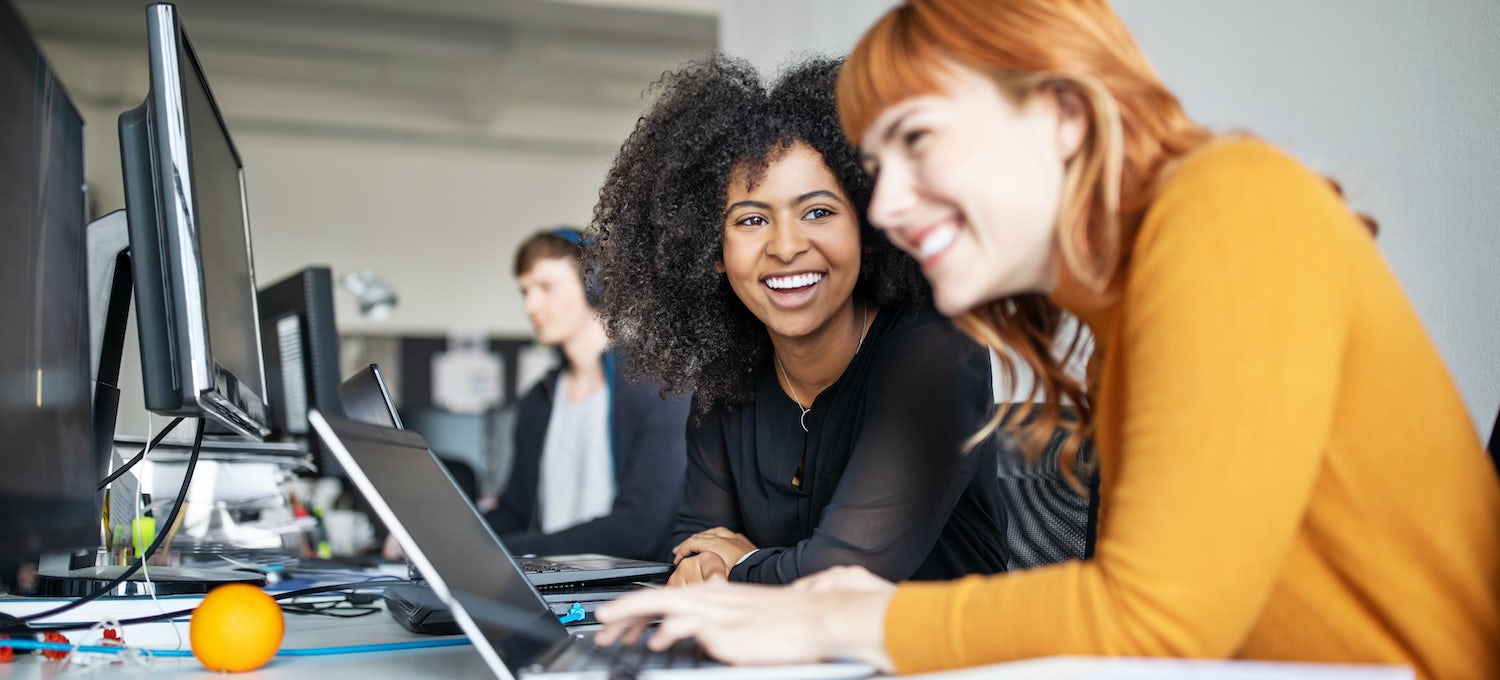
[(659, 224)]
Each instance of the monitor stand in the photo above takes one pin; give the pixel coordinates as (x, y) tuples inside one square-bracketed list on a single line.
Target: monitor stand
[(110, 290), (161, 581)]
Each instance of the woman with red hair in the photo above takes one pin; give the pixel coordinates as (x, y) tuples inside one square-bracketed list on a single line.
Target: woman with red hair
[(1265, 493)]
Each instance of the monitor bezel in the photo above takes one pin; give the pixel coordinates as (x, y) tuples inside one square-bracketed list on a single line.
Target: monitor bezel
[(205, 386)]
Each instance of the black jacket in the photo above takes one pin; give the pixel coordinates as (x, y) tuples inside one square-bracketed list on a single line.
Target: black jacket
[(650, 452)]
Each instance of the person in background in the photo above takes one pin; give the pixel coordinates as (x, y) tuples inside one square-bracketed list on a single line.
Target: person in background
[(1288, 471), (598, 459), (831, 403)]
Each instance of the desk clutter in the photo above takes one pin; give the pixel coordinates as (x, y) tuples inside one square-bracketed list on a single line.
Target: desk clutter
[(142, 629)]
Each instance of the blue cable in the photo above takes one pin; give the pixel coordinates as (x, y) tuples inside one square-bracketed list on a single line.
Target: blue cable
[(575, 613), (103, 649), (384, 647), (304, 651)]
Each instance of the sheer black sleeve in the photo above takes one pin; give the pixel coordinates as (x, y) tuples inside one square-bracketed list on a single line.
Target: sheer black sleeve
[(708, 494), (905, 498)]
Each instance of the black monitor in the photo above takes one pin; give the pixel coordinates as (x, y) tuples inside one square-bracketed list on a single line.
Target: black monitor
[(48, 464), (190, 244), (301, 343)]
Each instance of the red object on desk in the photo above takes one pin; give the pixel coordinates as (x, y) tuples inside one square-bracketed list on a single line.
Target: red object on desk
[(55, 654), (7, 654)]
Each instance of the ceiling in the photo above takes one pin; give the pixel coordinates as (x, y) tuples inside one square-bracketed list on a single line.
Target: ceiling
[(548, 75)]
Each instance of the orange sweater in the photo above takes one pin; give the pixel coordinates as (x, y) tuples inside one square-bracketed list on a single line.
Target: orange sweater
[(1287, 470)]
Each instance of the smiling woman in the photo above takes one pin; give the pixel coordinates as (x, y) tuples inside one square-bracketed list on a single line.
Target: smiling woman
[(734, 255), (1262, 493)]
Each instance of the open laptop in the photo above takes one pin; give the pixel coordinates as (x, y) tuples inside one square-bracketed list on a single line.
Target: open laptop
[(500, 611), (366, 398)]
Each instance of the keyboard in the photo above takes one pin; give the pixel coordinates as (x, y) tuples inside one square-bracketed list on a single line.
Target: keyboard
[(626, 661)]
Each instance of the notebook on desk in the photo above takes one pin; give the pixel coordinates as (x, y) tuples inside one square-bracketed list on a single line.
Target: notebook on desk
[(501, 612)]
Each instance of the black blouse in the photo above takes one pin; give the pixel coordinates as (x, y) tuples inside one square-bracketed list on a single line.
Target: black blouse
[(885, 483)]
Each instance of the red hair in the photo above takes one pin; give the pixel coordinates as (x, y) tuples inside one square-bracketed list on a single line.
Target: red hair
[(1137, 130)]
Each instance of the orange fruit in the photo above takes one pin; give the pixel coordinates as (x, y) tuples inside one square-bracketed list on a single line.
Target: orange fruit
[(237, 627)]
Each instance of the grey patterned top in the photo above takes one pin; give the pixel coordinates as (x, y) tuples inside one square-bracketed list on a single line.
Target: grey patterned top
[(1047, 520)]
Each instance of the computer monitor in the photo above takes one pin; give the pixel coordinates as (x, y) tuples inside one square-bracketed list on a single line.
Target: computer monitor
[(301, 343), (48, 464), (190, 244)]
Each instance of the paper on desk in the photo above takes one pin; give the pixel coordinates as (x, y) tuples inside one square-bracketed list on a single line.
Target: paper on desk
[(156, 635), (102, 609), (124, 494)]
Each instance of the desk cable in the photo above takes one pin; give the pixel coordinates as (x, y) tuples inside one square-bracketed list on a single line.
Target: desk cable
[(182, 613), (21, 624), (37, 645), (125, 467)]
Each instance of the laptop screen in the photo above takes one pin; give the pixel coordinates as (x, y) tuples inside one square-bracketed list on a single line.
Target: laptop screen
[(365, 398), (412, 492)]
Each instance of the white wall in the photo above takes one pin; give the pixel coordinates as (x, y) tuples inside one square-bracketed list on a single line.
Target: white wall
[(768, 32), (439, 222), (1396, 100)]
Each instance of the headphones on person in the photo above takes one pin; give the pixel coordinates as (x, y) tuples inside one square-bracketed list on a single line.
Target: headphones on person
[(591, 290)]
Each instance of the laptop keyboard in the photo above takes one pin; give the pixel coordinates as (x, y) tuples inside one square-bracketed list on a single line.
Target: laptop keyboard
[(537, 565), (625, 661)]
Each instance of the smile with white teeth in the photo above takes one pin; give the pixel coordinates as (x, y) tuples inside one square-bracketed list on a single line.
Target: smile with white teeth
[(793, 281), (936, 241)]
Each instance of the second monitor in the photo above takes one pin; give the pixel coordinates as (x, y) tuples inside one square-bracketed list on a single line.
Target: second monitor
[(301, 344)]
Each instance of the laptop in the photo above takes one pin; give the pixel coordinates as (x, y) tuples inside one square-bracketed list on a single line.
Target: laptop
[(502, 613), (366, 398)]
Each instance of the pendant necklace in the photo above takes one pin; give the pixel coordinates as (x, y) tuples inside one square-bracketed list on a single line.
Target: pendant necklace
[(863, 329)]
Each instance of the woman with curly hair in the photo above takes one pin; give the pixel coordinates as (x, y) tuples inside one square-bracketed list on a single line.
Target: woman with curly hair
[(831, 405)]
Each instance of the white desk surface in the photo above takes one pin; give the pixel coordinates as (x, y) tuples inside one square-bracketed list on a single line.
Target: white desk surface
[(462, 662)]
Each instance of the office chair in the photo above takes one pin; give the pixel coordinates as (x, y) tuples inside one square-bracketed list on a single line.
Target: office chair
[(463, 473)]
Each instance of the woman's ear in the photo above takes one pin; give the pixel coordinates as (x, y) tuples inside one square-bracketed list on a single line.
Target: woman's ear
[(1072, 118), (719, 265)]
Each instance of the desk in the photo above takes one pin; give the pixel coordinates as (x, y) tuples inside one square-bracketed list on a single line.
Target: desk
[(463, 663), (460, 662), (1094, 668)]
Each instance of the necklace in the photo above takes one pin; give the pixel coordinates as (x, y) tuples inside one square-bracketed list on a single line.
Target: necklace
[(796, 399), (863, 329)]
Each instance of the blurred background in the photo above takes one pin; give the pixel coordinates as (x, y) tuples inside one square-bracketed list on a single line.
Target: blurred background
[(419, 139), (422, 139)]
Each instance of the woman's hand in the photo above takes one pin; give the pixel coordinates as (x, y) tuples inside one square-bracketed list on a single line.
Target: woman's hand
[(701, 568), (728, 545), (752, 624)]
